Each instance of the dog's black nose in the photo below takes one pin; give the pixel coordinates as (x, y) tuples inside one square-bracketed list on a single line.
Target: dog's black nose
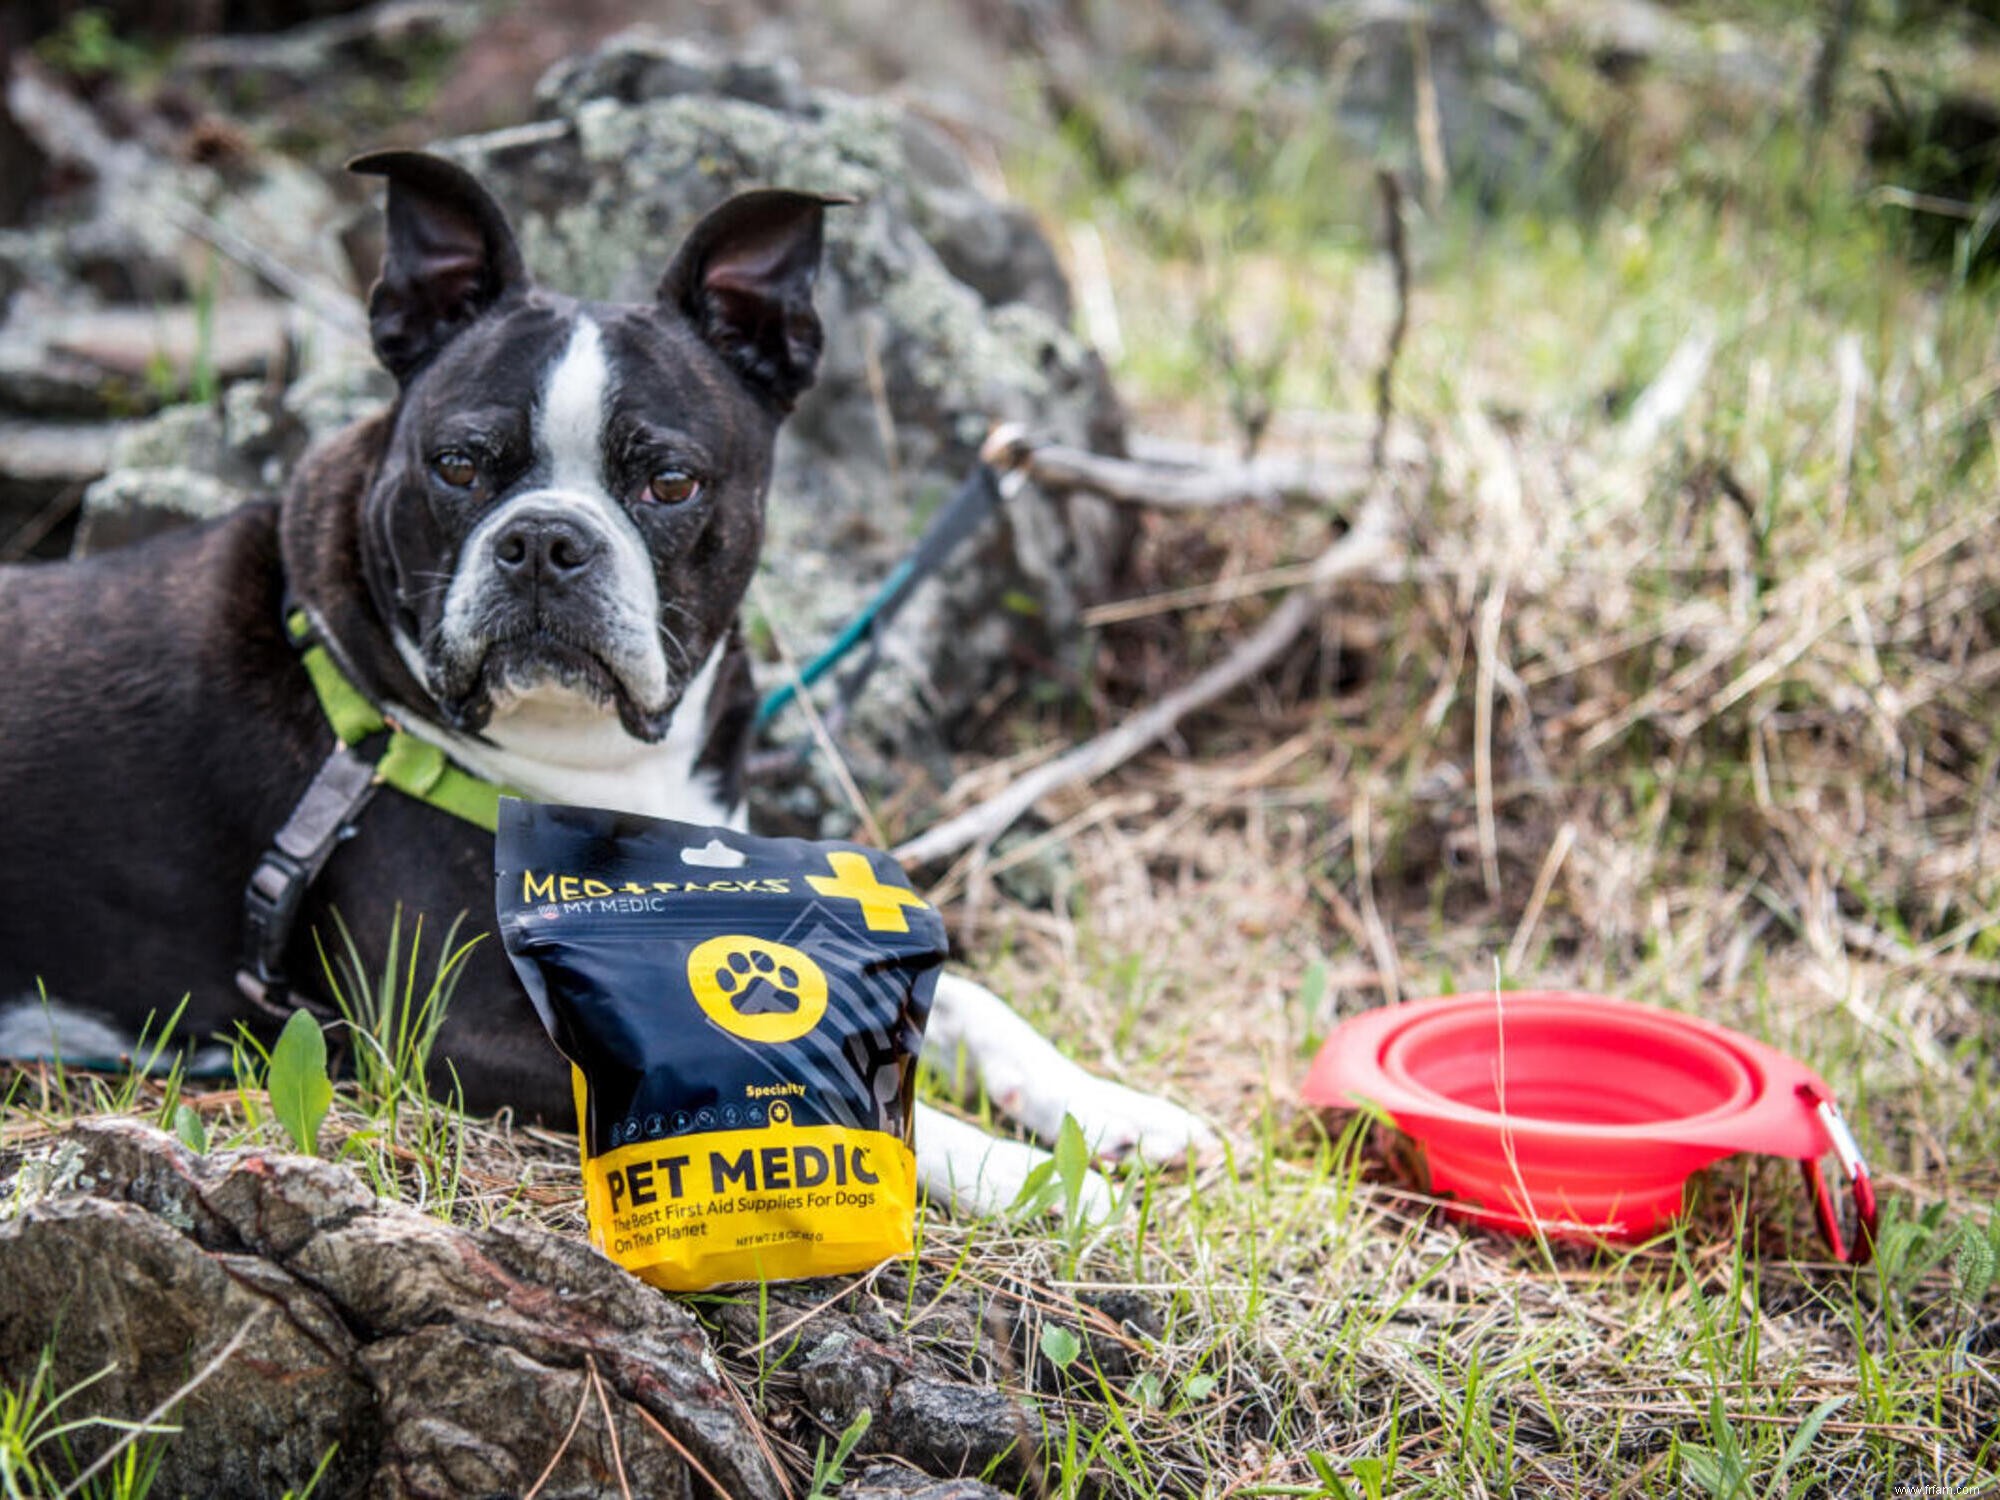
[(545, 548)]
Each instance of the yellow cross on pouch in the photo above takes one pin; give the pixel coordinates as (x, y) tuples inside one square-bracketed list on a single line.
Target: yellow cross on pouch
[(853, 879)]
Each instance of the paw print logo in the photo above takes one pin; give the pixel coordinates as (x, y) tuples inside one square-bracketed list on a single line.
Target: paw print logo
[(757, 989)]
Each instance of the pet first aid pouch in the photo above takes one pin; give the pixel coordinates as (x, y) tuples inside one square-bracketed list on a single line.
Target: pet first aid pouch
[(742, 1017)]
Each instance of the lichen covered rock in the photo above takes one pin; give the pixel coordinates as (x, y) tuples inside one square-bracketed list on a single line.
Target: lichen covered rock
[(306, 1316)]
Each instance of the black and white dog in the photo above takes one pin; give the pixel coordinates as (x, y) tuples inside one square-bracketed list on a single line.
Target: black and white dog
[(533, 561)]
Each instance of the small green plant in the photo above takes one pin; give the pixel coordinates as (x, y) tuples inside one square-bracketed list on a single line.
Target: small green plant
[(1909, 1248), (1724, 1469), (89, 47), (37, 1456), (318, 1473), (1975, 1258), (1061, 1179), (1072, 1159), (1060, 1345), (301, 1091), (189, 1130), (392, 1019), (1370, 1477), (830, 1470), (392, 1007), (1718, 1468)]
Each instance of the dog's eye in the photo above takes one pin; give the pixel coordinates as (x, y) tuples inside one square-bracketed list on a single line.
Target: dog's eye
[(456, 468), (673, 487)]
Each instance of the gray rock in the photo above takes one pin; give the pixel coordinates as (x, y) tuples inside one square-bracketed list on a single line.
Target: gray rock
[(267, 71), (178, 468), (944, 1389), (132, 1296), (1494, 127), (442, 1362), (441, 1388), (642, 65), (847, 1375), (448, 1362), (340, 387), (173, 345), (44, 464), (126, 233), (130, 505), (191, 463), (56, 452), (953, 1429), (889, 1482), (37, 381)]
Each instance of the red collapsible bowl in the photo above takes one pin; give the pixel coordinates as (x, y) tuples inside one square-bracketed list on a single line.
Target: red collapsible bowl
[(1583, 1115)]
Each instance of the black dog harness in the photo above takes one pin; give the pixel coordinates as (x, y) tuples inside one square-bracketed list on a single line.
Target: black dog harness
[(370, 751)]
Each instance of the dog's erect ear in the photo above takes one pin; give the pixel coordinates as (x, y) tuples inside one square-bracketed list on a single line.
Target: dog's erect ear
[(450, 257), (745, 276)]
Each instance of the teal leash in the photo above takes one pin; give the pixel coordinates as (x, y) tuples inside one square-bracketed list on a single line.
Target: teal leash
[(977, 497)]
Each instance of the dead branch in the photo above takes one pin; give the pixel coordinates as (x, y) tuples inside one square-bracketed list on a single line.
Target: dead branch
[(1170, 486), (1366, 545), (1361, 549), (1391, 190)]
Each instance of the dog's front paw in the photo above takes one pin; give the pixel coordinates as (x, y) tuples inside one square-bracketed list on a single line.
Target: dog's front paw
[(1123, 1124), (980, 1174), (1030, 1081)]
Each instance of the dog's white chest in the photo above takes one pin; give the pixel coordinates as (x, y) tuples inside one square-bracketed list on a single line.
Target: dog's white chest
[(555, 746)]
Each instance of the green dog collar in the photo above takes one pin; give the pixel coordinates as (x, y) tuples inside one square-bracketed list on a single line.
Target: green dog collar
[(414, 767)]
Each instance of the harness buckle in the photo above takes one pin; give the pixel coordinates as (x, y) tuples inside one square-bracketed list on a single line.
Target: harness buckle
[(271, 901), (285, 872)]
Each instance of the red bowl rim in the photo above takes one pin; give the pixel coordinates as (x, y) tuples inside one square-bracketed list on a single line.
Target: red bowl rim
[(1357, 1065)]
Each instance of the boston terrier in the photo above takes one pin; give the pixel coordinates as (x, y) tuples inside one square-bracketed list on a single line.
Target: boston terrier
[(533, 561)]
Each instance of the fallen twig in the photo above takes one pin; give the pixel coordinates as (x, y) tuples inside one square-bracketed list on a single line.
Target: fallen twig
[(1172, 474), (582, 1406), (1367, 544), (1391, 189), (1137, 481), (1221, 591), (688, 1458), (1361, 549), (610, 1427)]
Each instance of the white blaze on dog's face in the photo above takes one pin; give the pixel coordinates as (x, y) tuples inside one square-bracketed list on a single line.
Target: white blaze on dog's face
[(571, 503), (554, 610)]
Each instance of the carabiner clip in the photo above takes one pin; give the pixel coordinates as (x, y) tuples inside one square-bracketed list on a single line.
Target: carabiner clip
[(1858, 1244)]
